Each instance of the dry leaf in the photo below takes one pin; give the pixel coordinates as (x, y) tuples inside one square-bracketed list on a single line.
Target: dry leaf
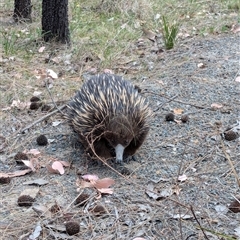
[(32, 163), (181, 216), (182, 178), (20, 105), (41, 49), (56, 123), (65, 163), (90, 177), (237, 79), (216, 105), (108, 71), (39, 182), (235, 28), (149, 34), (103, 183), (51, 74), (150, 192), (32, 151), (178, 111), (37, 93), (36, 233), (201, 65), (105, 190), (15, 174), (58, 166)]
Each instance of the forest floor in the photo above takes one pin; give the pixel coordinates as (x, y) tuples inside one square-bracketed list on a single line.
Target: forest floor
[(186, 176)]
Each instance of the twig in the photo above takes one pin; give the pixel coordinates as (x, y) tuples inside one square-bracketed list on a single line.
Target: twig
[(169, 100), (186, 103), (41, 119), (195, 217), (230, 163), (50, 94)]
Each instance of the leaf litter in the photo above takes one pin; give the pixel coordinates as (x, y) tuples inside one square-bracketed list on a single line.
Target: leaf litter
[(169, 150)]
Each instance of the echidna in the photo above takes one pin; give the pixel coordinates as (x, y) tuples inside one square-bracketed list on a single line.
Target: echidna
[(110, 117)]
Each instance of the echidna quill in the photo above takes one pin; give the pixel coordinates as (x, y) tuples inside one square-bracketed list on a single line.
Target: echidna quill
[(110, 117)]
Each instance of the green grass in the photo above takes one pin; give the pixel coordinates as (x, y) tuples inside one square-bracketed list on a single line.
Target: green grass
[(108, 31)]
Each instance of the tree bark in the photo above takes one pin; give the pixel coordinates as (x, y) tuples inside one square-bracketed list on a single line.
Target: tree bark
[(22, 10), (55, 21)]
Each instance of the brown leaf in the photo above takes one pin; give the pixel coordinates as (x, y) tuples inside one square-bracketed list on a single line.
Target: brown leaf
[(15, 174), (216, 105), (105, 190), (51, 74), (58, 167), (178, 111), (149, 34), (41, 49), (90, 177), (32, 151), (103, 183), (182, 178)]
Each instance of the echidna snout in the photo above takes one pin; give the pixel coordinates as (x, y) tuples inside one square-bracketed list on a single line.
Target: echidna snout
[(119, 134)]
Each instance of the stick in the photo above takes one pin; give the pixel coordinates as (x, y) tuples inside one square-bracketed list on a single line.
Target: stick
[(41, 119), (230, 163), (194, 215)]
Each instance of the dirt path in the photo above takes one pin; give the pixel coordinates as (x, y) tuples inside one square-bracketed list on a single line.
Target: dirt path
[(188, 79)]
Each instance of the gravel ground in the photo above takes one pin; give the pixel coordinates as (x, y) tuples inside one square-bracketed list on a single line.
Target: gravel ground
[(185, 164)]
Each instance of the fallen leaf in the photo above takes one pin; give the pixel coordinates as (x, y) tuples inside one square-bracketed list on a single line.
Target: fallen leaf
[(90, 177), (149, 34), (41, 49), (58, 166), (178, 111), (216, 105), (182, 178), (65, 163), (103, 183), (20, 105), (235, 28), (51, 74), (36, 233), (105, 190), (15, 174), (32, 151), (151, 193), (181, 216), (56, 123), (32, 163), (237, 79), (39, 182), (37, 93), (108, 71), (201, 65)]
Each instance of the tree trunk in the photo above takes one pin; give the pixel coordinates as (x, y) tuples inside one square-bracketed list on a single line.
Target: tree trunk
[(22, 10), (55, 21)]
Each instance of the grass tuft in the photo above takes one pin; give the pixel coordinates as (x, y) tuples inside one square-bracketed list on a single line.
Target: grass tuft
[(169, 33)]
